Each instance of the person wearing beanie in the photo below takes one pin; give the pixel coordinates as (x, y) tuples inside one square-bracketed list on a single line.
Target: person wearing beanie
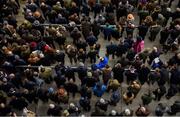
[(81, 55), (89, 81), (135, 87), (85, 103), (54, 110), (65, 113), (102, 104), (82, 71), (99, 89), (45, 73), (154, 30), (142, 111), (107, 74), (62, 95), (130, 18), (115, 98), (147, 98), (71, 87), (113, 84), (74, 110), (113, 113), (76, 35), (128, 97), (138, 45), (127, 112)]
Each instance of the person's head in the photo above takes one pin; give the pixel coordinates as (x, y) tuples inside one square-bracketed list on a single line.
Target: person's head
[(12, 75), (178, 55), (157, 70), (107, 66), (71, 81), (139, 38), (51, 106), (42, 69), (101, 58), (58, 3), (102, 101), (143, 66), (155, 49), (71, 105), (2, 105), (113, 112), (178, 9), (129, 94), (50, 90), (99, 85), (127, 112), (89, 74), (81, 64), (118, 65), (143, 109), (65, 113), (168, 9), (130, 17)]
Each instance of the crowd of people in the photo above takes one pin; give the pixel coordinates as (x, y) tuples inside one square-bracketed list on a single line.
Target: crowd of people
[(33, 54)]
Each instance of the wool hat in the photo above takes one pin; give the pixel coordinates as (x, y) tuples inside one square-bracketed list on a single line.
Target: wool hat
[(37, 14), (33, 44), (61, 92), (51, 106), (168, 9), (143, 109), (66, 113), (58, 51), (11, 75), (81, 64), (127, 112), (71, 105), (4, 80), (89, 74), (177, 27), (50, 90), (130, 17), (113, 112), (102, 101)]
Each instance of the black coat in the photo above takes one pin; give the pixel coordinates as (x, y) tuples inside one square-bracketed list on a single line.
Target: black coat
[(175, 77), (164, 36), (91, 40), (174, 60), (121, 11), (56, 111), (111, 49), (176, 107), (121, 49), (69, 73), (131, 76), (143, 30), (90, 82), (18, 103), (102, 106), (5, 111), (143, 74), (60, 57), (118, 73), (82, 72), (71, 87)]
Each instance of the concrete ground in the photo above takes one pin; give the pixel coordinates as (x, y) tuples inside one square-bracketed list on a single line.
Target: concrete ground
[(41, 108)]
